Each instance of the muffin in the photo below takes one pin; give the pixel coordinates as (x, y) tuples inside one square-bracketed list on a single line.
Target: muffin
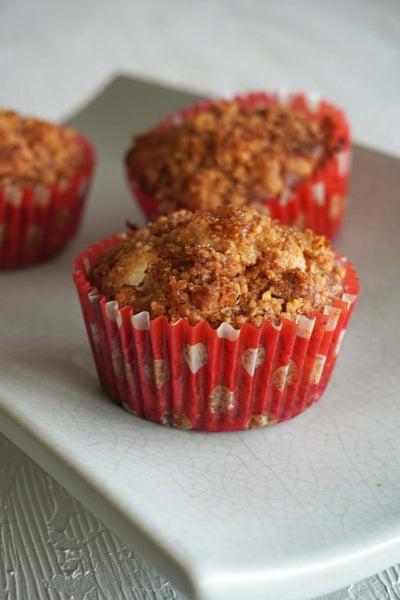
[(286, 155), (215, 320), (45, 171)]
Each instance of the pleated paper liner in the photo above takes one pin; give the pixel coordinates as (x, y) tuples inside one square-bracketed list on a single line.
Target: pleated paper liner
[(196, 377), (37, 222), (318, 202)]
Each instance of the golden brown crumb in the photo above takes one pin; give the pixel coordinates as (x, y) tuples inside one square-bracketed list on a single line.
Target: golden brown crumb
[(231, 265), (34, 151), (229, 155)]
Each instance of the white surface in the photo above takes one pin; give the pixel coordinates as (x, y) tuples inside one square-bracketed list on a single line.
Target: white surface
[(54, 54), (291, 511)]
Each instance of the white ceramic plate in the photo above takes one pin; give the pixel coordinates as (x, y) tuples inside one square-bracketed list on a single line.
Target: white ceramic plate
[(288, 512)]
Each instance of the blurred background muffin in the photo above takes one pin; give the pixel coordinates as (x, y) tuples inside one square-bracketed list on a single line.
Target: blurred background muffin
[(287, 155), (45, 172)]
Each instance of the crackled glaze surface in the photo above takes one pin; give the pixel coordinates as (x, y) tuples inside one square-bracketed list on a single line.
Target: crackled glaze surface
[(290, 511)]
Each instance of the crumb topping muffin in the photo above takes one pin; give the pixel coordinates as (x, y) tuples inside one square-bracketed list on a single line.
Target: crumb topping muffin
[(228, 154), (230, 265), (33, 151)]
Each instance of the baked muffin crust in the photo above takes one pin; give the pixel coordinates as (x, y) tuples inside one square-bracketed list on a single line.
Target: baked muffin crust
[(33, 151), (230, 265), (230, 155)]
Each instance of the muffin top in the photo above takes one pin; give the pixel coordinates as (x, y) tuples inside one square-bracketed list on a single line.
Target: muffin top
[(227, 154), (36, 152), (230, 265)]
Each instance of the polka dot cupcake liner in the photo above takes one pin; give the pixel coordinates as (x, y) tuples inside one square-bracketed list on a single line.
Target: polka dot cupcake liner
[(318, 202), (37, 222), (196, 377)]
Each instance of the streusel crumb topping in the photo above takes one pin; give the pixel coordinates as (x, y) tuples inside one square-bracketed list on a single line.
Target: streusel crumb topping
[(230, 265), (230, 155), (34, 151)]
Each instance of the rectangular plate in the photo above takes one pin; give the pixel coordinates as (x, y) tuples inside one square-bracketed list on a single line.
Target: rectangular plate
[(289, 512)]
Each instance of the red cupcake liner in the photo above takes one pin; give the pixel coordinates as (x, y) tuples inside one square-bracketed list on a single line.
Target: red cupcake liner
[(318, 202), (37, 222), (197, 377)]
